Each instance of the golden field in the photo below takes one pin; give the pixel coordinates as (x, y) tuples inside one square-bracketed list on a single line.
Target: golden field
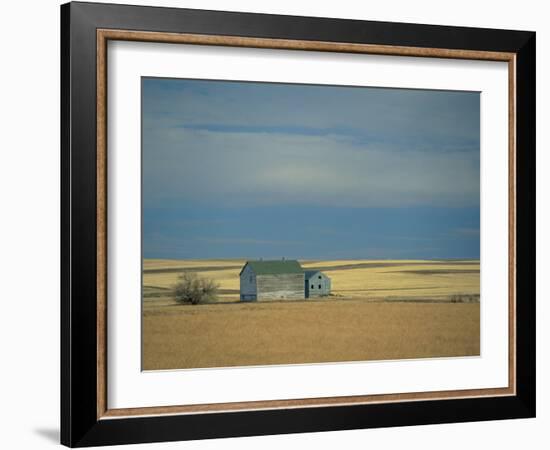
[(379, 309)]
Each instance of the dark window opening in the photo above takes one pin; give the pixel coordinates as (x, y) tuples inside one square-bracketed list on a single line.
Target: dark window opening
[(319, 286), (319, 276), (312, 287)]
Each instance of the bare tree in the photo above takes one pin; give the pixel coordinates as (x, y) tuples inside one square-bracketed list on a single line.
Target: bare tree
[(193, 289)]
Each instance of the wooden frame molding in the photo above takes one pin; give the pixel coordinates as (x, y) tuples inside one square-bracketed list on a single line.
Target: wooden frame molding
[(103, 36), (86, 29)]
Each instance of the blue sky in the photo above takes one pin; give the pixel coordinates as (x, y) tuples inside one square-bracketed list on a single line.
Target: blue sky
[(241, 169)]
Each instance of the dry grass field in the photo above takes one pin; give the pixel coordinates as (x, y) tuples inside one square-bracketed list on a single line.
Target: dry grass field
[(378, 310)]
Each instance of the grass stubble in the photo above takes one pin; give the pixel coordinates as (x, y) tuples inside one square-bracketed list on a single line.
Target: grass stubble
[(378, 310)]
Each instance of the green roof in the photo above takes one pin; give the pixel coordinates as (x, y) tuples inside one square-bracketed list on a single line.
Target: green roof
[(275, 267)]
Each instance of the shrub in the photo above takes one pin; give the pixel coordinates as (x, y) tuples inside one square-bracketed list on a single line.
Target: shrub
[(464, 298), (193, 289)]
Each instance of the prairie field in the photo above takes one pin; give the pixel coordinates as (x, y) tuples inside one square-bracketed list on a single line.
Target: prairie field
[(378, 309)]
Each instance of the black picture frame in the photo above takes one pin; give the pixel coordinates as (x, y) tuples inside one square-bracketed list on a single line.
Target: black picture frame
[(80, 425)]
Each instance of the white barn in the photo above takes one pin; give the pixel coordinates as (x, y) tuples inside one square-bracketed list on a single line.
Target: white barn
[(280, 280), (272, 280)]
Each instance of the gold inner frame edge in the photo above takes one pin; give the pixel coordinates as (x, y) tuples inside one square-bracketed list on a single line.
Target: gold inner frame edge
[(104, 35)]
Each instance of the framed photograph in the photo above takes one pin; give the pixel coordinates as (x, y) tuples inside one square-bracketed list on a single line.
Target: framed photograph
[(276, 224)]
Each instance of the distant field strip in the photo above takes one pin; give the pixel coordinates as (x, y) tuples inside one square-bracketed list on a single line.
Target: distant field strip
[(436, 271), (197, 268), (371, 280), (377, 265), (190, 269)]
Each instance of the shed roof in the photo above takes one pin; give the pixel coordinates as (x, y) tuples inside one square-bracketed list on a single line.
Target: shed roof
[(275, 267), (310, 273)]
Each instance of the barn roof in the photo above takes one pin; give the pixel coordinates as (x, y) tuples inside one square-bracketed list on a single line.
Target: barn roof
[(275, 267)]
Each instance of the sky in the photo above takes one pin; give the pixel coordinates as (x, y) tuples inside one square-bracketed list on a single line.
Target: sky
[(270, 170)]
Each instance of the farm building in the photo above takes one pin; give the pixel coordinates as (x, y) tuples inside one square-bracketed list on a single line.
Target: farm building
[(272, 280), (317, 284), (277, 280)]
